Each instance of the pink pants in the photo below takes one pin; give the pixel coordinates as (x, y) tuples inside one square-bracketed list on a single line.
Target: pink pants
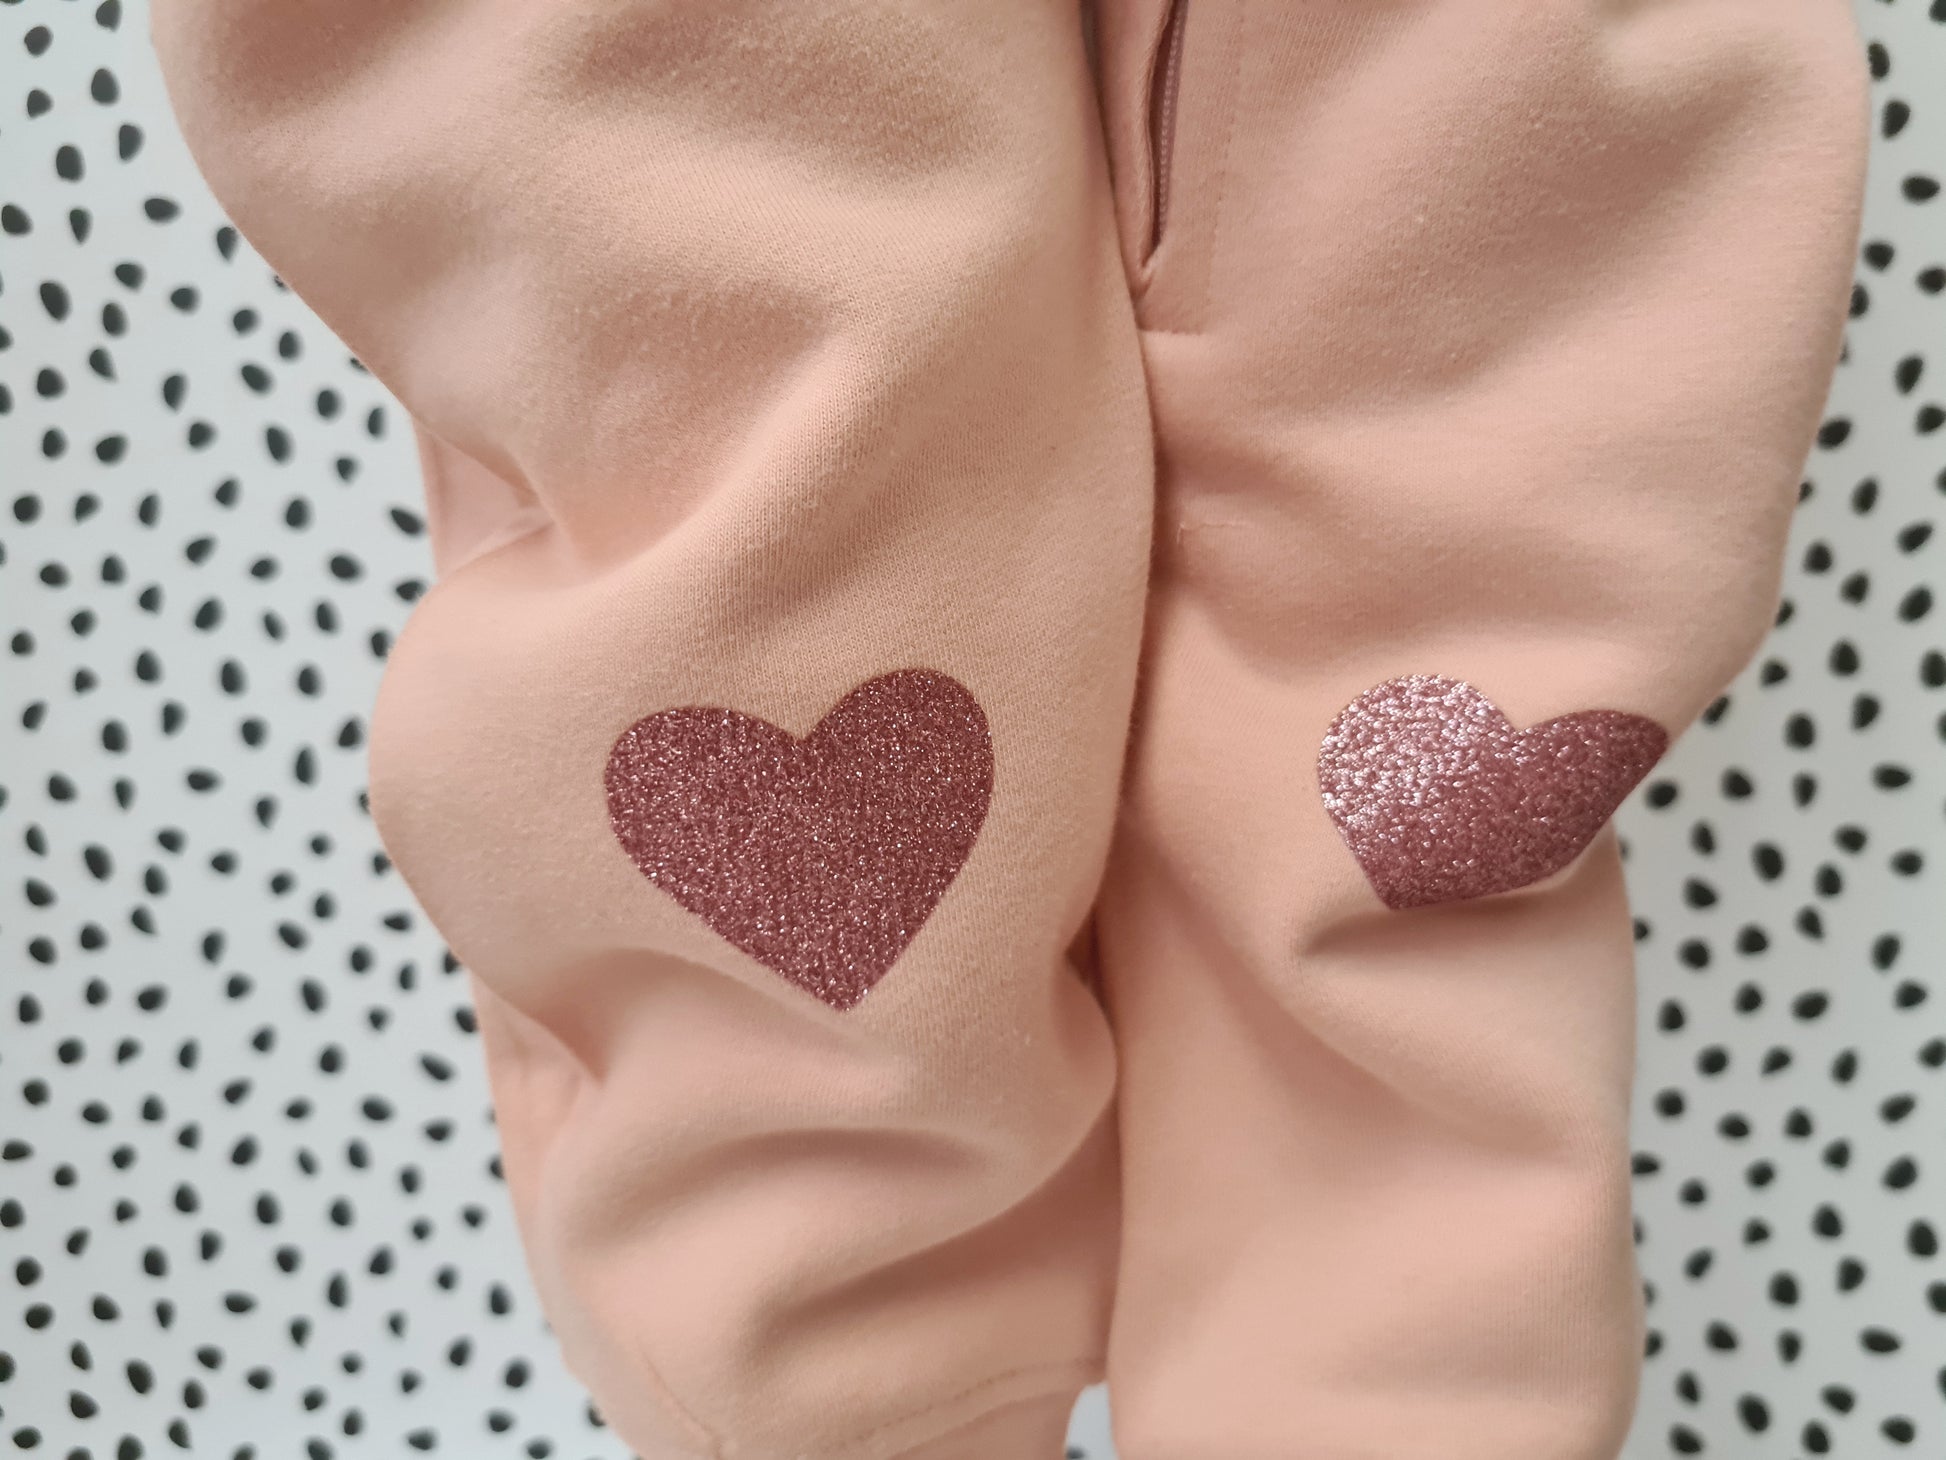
[(1039, 620)]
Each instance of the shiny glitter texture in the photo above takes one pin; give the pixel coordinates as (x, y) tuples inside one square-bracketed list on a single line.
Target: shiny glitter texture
[(1440, 798), (818, 857)]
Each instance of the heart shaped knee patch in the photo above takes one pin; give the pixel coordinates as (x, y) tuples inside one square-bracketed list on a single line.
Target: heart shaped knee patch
[(1440, 798), (819, 856)]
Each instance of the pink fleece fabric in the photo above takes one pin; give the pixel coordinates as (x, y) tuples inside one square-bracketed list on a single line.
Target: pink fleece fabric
[(869, 1084)]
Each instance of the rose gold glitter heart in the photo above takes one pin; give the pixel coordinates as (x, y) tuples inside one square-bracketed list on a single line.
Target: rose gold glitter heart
[(818, 857), (1440, 798)]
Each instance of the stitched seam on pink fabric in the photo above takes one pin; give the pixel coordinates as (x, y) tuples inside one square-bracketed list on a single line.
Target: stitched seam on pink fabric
[(1234, 101), (1201, 234), (1145, 154), (1164, 85), (1088, 1369), (697, 1432)]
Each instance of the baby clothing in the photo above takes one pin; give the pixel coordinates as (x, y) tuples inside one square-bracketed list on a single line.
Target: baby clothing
[(1039, 618)]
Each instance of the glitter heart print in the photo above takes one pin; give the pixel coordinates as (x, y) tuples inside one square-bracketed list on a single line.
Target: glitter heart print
[(820, 857), (1440, 798)]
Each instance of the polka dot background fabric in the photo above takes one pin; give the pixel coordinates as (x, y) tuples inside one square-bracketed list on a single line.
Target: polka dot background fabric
[(249, 1200)]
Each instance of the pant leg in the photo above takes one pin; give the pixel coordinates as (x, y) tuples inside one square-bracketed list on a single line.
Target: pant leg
[(790, 476), (1486, 341)]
